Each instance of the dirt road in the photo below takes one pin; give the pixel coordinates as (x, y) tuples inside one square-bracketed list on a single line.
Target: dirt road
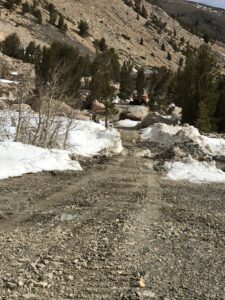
[(115, 231)]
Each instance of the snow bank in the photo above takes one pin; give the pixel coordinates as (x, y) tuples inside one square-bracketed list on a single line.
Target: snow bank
[(127, 123), (168, 135), (87, 138), (194, 171), (190, 142), (17, 159), (215, 145), (160, 133)]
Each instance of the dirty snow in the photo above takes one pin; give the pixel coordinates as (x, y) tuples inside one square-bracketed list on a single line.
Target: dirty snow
[(168, 135), (194, 171), (189, 169), (17, 159)]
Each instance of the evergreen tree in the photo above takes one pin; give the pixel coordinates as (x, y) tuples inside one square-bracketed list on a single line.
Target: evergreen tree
[(144, 12), (12, 46), (17, 2), (140, 82), (65, 27), (68, 60), (220, 110), (35, 5), (206, 38), (105, 70), (181, 62), (163, 48), (159, 87), (141, 42), (25, 8), (83, 28), (33, 53), (9, 4), (53, 15), (110, 60), (169, 56), (61, 22), (103, 90), (38, 15), (102, 45), (195, 89), (137, 6), (127, 83)]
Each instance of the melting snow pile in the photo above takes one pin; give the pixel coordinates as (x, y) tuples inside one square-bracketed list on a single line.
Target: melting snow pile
[(17, 159), (167, 136), (85, 138), (178, 143), (194, 171), (88, 139)]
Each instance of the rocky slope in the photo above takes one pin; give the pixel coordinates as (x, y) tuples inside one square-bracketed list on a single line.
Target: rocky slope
[(113, 20)]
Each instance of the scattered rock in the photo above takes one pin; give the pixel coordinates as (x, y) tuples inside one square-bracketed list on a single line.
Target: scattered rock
[(141, 283), (133, 112)]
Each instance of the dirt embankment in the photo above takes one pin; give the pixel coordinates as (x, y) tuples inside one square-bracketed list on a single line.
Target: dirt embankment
[(114, 231)]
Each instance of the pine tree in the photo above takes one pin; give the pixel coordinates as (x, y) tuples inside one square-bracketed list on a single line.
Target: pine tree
[(169, 56), (33, 53), (195, 89), (181, 62), (83, 28), (25, 8), (102, 45), (144, 12), (61, 22), (105, 70), (53, 15), (38, 15), (12, 46), (9, 4), (140, 82), (126, 81), (141, 42), (220, 110), (137, 6)]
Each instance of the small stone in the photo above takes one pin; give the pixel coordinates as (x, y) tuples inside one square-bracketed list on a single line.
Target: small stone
[(20, 283), (29, 297), (70, 277), (42, 284), (148, 294), (141, 283)]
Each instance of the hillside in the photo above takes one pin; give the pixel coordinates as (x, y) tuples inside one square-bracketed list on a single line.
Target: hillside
[(116, 22), (198, 18)]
